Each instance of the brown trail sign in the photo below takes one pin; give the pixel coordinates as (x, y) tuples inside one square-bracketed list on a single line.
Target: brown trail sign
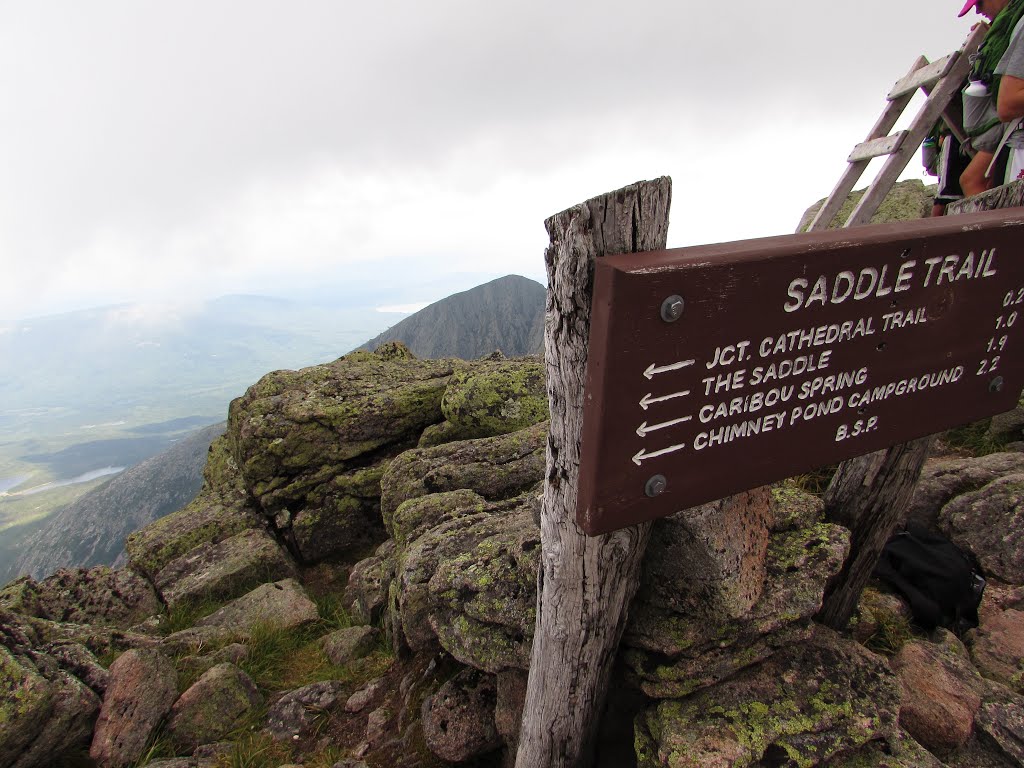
[(719, 368)]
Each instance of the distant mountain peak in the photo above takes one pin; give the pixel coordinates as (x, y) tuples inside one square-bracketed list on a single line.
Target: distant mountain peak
[(506, 314)]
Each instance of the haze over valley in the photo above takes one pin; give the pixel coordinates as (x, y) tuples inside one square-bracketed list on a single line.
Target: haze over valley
[(86, 394)]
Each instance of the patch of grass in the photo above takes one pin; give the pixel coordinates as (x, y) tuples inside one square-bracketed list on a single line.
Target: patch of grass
[(185, 614), (159, 748), (333, 615), (816, 481), (974, 439), (255, 750), (108, 658), (893, 632), (284, 659)]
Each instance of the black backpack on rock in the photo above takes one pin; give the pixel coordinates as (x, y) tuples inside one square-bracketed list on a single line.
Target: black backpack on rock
[(942, 584)]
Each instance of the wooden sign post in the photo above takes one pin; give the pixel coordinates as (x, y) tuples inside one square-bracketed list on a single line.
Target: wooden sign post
[(585, 584)]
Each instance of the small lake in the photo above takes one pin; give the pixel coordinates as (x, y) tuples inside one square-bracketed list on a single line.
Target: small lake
[(6, 483), (85, 477)]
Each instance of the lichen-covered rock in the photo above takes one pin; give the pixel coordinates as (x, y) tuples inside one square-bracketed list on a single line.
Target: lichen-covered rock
[(1007, 427), (362, 698), (297, 713), (341, 515), (21, 596), (806, 704), (67, 728), (989, 523), (897, 750), (143, 686), (294, 432), (45, 713), (510, 691), (220, 511), (351, 643), (493, 397), (212, 707), (999, 597), (906, 200), (1000, 724), (495, 468), (377, 725), (792, 507), (997, 648), (26, 701), (415, 517), (97, 638), (99, 595), (283, 604), (943, 479), (224, 569), (458, 720), (470, 584), (366, 593), (78, 661), (674, 652), (941, 692)]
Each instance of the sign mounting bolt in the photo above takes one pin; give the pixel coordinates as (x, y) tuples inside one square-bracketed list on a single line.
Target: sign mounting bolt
[(672, 308), (996, 385), (656, 486)]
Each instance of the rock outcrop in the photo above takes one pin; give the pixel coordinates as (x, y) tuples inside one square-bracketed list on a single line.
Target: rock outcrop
[(143, 687)]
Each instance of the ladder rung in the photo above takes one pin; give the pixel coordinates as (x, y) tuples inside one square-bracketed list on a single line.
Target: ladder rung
[(876, 147), (926, 75)]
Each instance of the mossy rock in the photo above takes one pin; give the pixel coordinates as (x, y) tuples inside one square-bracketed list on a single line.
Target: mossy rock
[(293, 431), (673, 653), (221, 510), (415, 517), (496, 467), (808, 703), (793, 507), (26, 700), (469, 585), (906, 200), (495, 397), (224, 570)]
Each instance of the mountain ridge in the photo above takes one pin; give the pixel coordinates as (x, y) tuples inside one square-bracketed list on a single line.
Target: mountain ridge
[(505, 314), (89, 531)]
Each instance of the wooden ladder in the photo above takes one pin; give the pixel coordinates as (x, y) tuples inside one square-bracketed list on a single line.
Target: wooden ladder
[(941, 81)]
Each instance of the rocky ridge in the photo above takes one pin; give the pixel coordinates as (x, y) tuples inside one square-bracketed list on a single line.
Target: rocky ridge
[(406, 492)]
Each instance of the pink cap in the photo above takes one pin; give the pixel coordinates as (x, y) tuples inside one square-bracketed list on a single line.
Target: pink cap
[(967, 6)]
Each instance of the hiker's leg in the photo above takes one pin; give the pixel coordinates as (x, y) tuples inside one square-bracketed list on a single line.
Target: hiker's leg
[(973, 180)]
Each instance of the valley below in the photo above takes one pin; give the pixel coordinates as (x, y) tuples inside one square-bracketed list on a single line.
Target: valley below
[(94, 392)]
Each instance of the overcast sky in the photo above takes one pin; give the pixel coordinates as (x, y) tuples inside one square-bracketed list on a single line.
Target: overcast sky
[(151, 151)]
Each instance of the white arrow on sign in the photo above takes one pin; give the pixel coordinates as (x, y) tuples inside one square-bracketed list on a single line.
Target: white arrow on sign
[(653, 369), (643, 455), (649, 399), (643, 429)]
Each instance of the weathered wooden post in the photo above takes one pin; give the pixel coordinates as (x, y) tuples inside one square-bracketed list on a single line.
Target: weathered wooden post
[(867, 496), (585, 584)]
